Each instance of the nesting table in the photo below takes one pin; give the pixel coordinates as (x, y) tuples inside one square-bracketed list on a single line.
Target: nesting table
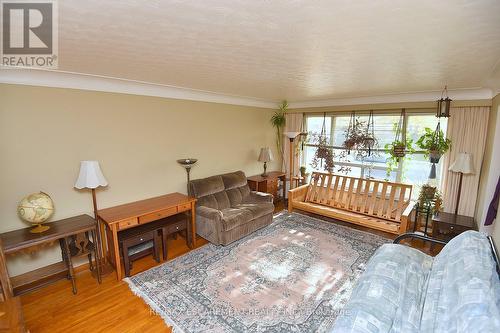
[(114, 219)]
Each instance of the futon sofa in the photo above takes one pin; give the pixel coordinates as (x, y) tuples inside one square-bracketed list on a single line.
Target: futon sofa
[(226, 209), (371, 203), (405, 290)]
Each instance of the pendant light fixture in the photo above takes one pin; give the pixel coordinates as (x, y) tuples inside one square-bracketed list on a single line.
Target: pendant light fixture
[(443, 104)]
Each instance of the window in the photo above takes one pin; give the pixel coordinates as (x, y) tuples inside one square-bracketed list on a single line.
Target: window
[(414, 168)]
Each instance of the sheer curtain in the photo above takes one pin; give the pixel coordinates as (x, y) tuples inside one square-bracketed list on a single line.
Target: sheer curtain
[(467, 128), (294, 123)]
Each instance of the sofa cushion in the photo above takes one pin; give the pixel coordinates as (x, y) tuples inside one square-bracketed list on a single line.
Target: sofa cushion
[(463, 294), (208, 201), (222, 200), (388, 296), (234, 217), (234, 179), (257, 209), (206, 186)]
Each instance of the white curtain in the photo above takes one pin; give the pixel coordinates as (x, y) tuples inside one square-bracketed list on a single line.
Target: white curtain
[(467, 128), (294, 123)]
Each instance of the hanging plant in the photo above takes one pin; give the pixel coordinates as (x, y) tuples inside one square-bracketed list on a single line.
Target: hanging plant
[(278, 121), (355, 133), (400, 146), (434, 143), (324, 155), (369, 139)]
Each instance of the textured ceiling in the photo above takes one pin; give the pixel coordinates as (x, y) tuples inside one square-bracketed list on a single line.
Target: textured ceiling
[(275, 49)]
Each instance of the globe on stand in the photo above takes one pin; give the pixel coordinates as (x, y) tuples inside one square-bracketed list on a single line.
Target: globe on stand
[(36, 208)]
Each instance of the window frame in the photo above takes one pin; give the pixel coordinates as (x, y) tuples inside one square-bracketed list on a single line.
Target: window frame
[(363, 168)]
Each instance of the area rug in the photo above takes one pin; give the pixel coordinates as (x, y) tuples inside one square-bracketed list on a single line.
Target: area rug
[(294, 275)]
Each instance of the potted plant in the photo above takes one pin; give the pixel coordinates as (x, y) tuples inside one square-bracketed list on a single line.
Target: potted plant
[(427, 192), (278, 121), (434, 144), (355, 134), (430, 197), (398, 148), (397, 151), (303, 173)]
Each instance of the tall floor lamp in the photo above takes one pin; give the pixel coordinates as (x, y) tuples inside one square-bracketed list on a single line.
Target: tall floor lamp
[(91, 177), (462, 165), (291, 136)]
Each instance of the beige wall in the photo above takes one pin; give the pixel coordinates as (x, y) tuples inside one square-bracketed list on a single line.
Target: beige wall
[(490, 170), (45, 132)]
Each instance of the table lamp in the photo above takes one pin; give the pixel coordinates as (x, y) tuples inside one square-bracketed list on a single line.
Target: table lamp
[(291, 136), (91, 177), (462, 165), (265, 156)]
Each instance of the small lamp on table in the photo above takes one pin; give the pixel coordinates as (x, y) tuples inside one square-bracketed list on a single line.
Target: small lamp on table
[(265, 156)]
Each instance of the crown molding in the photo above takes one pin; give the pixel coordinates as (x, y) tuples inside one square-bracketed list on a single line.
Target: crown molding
[(424, 96), (61, 79)]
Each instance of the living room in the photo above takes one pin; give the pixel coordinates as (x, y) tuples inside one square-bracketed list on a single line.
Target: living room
[(270, 152)]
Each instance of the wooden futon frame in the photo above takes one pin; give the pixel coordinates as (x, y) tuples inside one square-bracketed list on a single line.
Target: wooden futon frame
[(371, 203)]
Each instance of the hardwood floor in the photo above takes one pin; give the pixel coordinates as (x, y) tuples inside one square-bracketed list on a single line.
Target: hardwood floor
[(111, 306)]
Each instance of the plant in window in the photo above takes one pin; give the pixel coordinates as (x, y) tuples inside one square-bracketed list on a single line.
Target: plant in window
[(434, 144), (278, 121), (369, 141), (395, 149), (324, 155), (355, 133)]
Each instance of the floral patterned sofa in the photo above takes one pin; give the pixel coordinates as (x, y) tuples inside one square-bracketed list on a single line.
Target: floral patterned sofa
[(405, 290)]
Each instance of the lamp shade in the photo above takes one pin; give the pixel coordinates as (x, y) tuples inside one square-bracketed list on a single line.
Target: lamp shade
[(463, 164), (90, 175), (292, 135), (265, 155)]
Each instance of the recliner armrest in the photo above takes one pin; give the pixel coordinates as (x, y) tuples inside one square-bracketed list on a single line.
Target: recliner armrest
[(209, 213)]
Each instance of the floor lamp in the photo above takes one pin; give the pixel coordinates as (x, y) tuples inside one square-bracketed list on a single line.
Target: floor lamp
[(291, 136), (462, 165), (91, 177)]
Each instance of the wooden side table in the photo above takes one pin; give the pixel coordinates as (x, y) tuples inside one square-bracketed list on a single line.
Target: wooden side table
[(445, 226), (268, 184), (61, 231)]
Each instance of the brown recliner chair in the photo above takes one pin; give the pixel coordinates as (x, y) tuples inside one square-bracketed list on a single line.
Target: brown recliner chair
[(227, 210)]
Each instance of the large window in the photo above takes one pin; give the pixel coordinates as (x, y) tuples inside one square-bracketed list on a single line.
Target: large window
[(414, 168)]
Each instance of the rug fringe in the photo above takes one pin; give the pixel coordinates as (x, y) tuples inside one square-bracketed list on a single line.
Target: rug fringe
[(152, 305)]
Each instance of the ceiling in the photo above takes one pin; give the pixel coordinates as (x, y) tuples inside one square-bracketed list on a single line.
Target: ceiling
[(282, 49)]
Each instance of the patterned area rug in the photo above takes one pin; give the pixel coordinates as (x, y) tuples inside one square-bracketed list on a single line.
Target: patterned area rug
[(292, 276)]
